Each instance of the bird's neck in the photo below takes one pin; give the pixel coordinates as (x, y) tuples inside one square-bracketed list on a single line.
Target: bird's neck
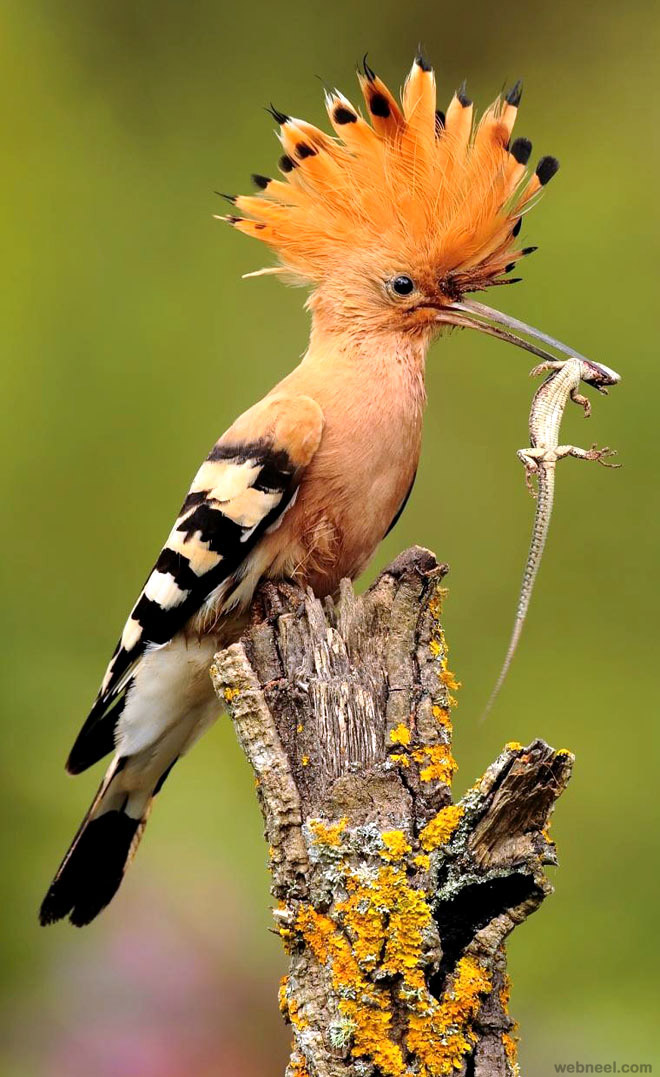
[(382, 362)]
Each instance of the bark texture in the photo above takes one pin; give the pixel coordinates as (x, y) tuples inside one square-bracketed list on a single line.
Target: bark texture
[(393, 902)]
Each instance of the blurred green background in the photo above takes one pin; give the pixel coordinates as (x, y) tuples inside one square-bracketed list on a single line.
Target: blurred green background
[(131, 342)]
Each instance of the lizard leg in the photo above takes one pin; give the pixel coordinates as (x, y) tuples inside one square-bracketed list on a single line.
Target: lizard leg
[(600, 455), (577, 398), (529, 458), (547, 367)]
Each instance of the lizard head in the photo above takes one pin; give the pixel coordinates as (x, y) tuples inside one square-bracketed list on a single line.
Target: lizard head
[(599, 376)]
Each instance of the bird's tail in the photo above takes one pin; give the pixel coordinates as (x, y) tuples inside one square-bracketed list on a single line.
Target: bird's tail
[(93, 868)]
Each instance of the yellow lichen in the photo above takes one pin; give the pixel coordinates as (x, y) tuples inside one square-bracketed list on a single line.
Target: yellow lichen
[(286, 936), (436, 762), (328, 833), (305, 760), (300, 728), (449, 680), (513, 746), (384, 918), (281, 996), (395, 845), (510, 1045), (230, 693), (408, 919), (422, 861), (441, 714), (361, 1003), (298, 1022), (435, 605), (444, 1034), (380, 929), (400, 735), (505, 992), (510, 1038), (439, 830), (387, 908), (438, 646), (398, 758), (297, 1065)]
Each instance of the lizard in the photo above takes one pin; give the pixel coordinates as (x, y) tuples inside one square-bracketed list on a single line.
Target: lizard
[(540, 460)]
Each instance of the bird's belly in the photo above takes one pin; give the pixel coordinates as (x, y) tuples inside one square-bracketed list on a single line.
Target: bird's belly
[(171, 688)]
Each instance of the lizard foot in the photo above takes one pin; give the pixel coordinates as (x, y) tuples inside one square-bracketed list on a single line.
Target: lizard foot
[(600, 455), (578, 398), (531, 468), (530, 472)]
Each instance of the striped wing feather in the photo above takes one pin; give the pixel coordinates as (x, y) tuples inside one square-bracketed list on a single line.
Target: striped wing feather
[(242, 489)]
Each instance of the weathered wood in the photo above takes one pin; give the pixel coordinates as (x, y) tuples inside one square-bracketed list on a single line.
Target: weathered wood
[(394, 904)]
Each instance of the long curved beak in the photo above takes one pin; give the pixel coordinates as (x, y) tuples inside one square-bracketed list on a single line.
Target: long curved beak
[(468, 314)]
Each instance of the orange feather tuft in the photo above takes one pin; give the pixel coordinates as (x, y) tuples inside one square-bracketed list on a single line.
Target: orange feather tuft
[(402, 188)]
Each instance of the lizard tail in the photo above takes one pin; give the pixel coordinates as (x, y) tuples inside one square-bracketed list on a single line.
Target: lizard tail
[(546, 493)]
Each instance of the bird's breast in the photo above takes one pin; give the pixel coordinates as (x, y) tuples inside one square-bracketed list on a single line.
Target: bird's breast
[(348, 498)]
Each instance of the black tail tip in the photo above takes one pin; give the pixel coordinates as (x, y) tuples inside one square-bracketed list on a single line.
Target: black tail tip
[(92, 872)]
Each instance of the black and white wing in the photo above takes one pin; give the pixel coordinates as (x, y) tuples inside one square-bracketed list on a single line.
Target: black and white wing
[(241, 490)]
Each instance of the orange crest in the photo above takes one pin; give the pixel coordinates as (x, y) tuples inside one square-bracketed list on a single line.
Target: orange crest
[(411, 189)]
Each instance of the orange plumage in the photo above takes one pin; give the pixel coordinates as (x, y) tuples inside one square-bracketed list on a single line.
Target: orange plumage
[(410, 189)]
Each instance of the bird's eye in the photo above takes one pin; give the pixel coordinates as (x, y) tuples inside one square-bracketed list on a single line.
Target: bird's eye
[(402, 285)]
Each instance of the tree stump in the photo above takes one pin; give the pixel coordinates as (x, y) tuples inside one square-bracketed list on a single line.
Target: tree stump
[(393, 902)]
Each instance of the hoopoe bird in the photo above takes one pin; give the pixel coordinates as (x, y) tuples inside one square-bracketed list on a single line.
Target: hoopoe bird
[(392, 221)]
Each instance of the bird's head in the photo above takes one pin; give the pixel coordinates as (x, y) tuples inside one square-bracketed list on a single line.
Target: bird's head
[(395, 220)]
